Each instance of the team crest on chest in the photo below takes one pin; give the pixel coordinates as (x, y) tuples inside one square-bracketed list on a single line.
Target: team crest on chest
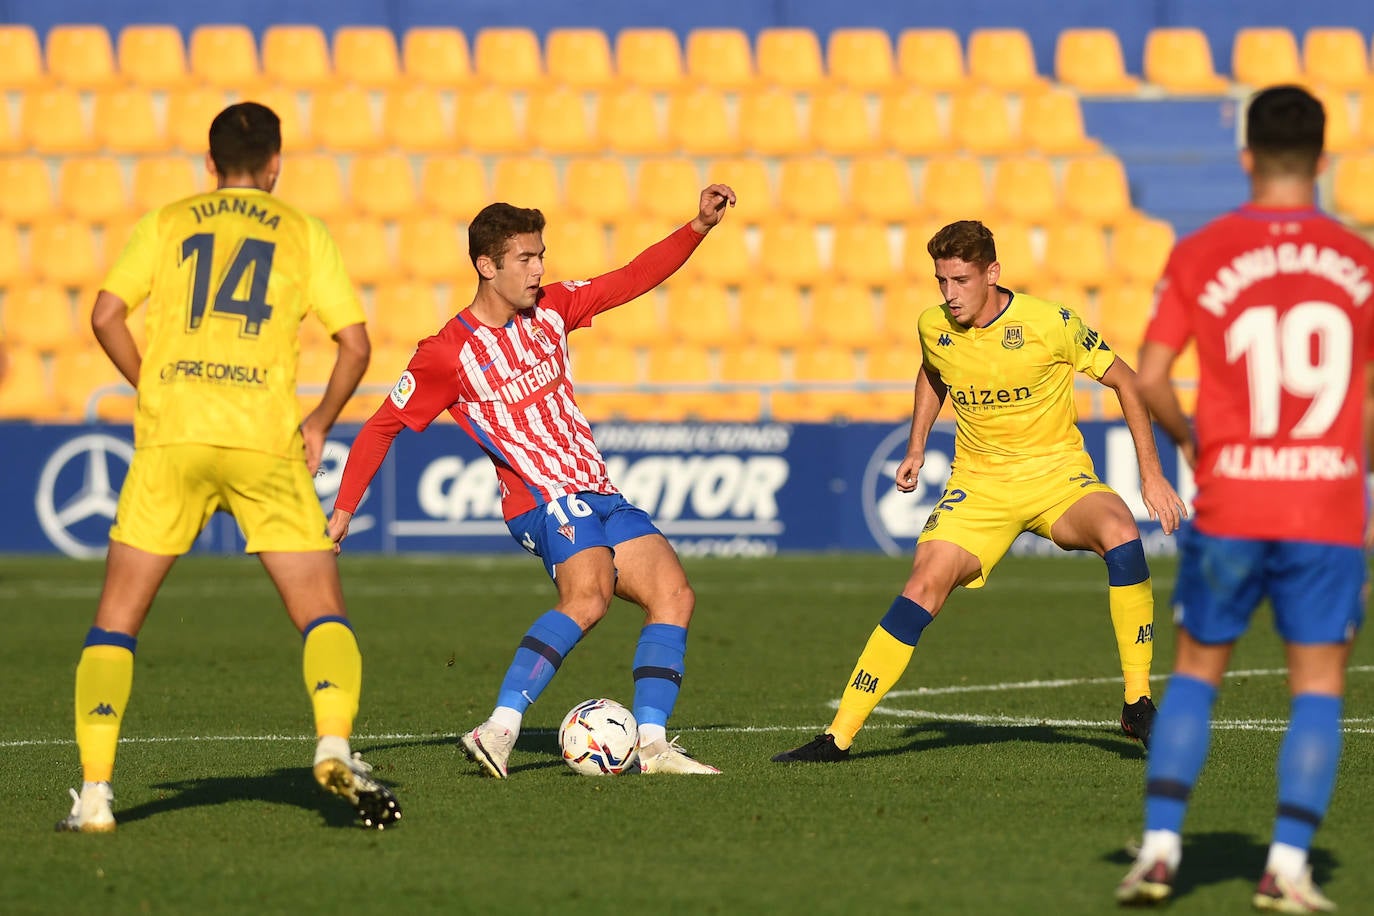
[(1012, 338)]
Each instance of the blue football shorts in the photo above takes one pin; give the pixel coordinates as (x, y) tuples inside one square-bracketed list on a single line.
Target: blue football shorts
[(562, 527), (1317, 590)]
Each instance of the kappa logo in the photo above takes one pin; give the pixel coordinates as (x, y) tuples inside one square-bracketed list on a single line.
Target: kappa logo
[(1065, 314), (569, 532), (324, 685), (944, 341), (103, 709), (78, 492)]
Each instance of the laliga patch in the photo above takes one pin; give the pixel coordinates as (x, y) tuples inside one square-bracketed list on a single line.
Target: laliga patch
[(572, 285), (1012, 338), (405, 387), (569, 532)]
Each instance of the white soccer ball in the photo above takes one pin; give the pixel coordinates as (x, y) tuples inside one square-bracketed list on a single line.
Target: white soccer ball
[(599, 738)]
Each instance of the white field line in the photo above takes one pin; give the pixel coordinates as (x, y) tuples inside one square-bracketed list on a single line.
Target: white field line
[(1078, 681)]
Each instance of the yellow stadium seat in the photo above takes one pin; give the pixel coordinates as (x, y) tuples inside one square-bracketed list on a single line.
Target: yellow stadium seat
[(916, 259), (862, 254), (844, 314), (115, 233), (296, 56), (575, 249), (432, 249), (671, 366), (382, 185), (159, 180), (341, 120), (152, 56), (636, 324), (861, 59), (932, 59), (1123, 312), (1179, 60), (598, 189), (881, 188), (789, 253), (790, 58), (1095, 189), (80, 375), (81, 56), (769, 124), (1076, 253), (953, 188), (667, 189), (124, 122), (627, 123), (1021, 268), (28, 185), (558, 122), (413, 119), (367, 56), (720, 59), (840, 124), (528, 181), (508, 58), (1342, 135), (893, 363), (826, 365), (980, 123), (902, 303), (13, 268), (1003, 59), (225, 57), (52, 122), (1265, 57), (752, 363), (748, 176), (597, 362), (454, 186), (189, 113), (363, 245), (313, 182), (909, 123), (1335, 58), (700, 314), (23, 57), (699, 123), (11, 140), (296, 132), (579, 58), (1024, 188), (1052, 123), (24, 389), (437, 56), (406, 312), (64, 251), (1140, 248), (771, 315), (1090, 61), (1352, 187), (632, 236), (649, 58), (486, 122), (729, 260), (809, 188), (91, 188)]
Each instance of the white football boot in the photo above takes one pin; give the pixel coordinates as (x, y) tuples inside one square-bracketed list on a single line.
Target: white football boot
[(669, 757), (490, 744), (90, 810)]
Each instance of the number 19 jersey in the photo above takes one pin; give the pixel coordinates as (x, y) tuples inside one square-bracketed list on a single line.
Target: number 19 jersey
[(1278, 304), (228, 277)]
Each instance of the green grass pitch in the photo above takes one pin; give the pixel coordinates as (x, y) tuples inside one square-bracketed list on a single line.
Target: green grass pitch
[(990, 791)]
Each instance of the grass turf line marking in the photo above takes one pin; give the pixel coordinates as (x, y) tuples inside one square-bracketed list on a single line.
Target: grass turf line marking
[(1083, 681)]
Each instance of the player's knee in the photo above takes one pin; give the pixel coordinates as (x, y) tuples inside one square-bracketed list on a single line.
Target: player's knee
[(673, 605)]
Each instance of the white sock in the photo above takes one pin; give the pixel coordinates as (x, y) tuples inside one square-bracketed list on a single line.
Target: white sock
[(332, 747), (648, 734), (1286, 861), (508, 718), (1162, 844)]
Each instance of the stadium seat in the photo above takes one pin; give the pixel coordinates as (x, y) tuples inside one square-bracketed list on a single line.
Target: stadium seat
[(824, 365), (789, 253), (650, 58), (508, 58), (1021, 269), (1095, 189), (91, 188), (486, 122), (1352, 187), (729, 261), (1265, 57), (557, 122), (699, 123), (909, 123), (894, 363), (1342, 135), (954, 187), (881, 188), (23, 57), (902, 303), (748, 176), (64, 251), (13, 266), (719, 59), (296, 129), (576, 249), (598, 362), (627, 123), (667, 189), (744, 369), (1090, 61), (636, 324), (932, 59), (630, 237), (52, 123), (980, 123), (225, 57), (405, 312), (11, 140), (599, 189), (80, 56), (367, 56), (790, 58), (840, 124), (579, 58), (189, 113), (916, 261), (341, 120), (861, 59), (1003, 59), (844, 314), (414, 120), (1024, 188), (152, 56), (1052, 123), (771, 315), (454, 186), (382, 185), (769, 124), (1179, 60), (159, 180), (313, 182), (80, 374), (809, 188), (432, 249), (1140, 247), (861, 253), (363, 245), (669, 364), (1335, 59), (1123, 311), (24, 390), (1076, 253), (700, 314), (296, 56), (28, 185), (528, 181), (436, 56), (123, 121)]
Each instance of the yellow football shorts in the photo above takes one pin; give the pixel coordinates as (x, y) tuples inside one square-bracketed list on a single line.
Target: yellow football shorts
[(172, 490), (984, 512)]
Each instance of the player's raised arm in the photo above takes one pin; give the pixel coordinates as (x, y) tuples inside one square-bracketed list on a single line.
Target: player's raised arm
[(1160, 497)]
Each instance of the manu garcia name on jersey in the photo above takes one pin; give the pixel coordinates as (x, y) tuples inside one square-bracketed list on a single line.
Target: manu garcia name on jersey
[(542, 378), (213, 372), (1267, 261), (245, 206), (1243, 461), (989, 397)]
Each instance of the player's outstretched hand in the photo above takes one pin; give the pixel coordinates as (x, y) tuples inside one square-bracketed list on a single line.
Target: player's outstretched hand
[(908, 472), (1164, 504), (712, 207), (338, 527)]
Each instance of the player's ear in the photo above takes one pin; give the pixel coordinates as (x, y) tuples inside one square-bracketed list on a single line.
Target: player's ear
[(994, 273), (1322, 163), (210, 166), (486, 267), (1247, 160)]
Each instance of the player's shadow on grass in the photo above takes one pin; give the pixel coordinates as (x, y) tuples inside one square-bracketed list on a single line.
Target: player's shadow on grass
[(1221, 856), (936, 734)]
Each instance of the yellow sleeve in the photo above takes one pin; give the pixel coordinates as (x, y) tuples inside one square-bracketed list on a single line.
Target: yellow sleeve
[(1086, 350), (331, 294), (131, 277)]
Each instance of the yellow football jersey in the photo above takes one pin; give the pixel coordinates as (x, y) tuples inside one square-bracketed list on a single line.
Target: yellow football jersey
[(228, 277), (1011, 383)]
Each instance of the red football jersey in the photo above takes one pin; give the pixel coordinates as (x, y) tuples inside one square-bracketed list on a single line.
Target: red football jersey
[(1278, 304)]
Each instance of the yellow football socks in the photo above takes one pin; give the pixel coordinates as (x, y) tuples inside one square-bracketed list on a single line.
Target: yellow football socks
[(1131, 599), (333, 675), (882, 662), (104, 679)]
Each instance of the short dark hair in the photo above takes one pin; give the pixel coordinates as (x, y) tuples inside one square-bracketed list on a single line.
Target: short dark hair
[(244, 137), (967, 240), (1284, 130), (495, 225)]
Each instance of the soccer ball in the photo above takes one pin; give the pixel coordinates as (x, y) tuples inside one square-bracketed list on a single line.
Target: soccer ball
[(599, 738)]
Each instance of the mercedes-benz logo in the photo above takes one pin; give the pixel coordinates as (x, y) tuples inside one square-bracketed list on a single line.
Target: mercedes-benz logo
[(96, 497)]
